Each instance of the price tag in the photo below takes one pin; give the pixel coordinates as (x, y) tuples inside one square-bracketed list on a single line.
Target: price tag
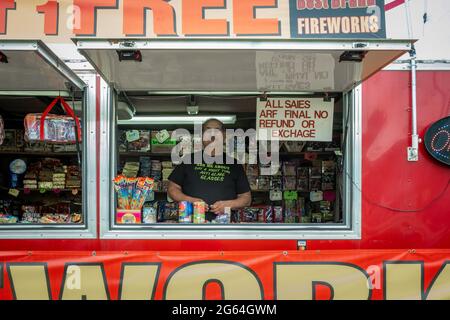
[(14, 192), (315, 196), (162, 136), (338, 153), (132, 135), (275, 195), (290, 195)]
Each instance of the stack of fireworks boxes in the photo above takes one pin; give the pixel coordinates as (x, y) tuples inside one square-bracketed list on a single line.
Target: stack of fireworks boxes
[(322, 178), (167, 168), (264, 177), (275, 195), (292, 204), (260, 179), (319, 177), (189, 212), (268, 181), (328, 183), (156, 174)]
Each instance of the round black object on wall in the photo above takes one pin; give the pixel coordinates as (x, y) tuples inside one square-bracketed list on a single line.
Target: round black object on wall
[(437, 140)]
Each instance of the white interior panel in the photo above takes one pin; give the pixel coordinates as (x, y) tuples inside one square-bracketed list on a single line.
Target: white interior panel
[(32, 66), (242, 66)]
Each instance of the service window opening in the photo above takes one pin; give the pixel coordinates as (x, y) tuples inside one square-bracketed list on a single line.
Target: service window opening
[(306, 190), (40, 181), (316, 194)]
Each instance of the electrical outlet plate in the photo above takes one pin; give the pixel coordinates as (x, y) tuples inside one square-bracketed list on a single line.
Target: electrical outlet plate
[(301, 244), (413, 154)]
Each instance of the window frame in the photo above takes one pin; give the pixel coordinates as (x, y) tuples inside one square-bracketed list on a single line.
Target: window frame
[(96, 51), (87, 230), (351, 229)]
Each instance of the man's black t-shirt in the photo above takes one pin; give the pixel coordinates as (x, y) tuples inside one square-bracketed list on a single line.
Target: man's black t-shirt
[(211, 182)]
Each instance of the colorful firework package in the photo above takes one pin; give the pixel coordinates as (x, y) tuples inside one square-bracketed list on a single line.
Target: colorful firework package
[(199, 211), (223, 218), (132, 192), (150, 212), (278, 214), (250, 214), (185, 211), (167, 211)]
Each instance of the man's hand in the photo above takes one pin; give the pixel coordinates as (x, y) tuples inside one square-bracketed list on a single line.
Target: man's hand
[(219, 207), (192, 200), (242, 200)]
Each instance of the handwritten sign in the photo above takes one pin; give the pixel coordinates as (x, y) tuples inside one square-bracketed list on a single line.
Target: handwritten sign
[(306, 119), (294, 72)]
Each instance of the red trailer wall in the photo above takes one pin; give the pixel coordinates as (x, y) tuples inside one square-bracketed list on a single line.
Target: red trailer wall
[(404, 204)]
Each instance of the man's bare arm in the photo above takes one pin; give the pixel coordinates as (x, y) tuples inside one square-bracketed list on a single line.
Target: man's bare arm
[(242, 200)]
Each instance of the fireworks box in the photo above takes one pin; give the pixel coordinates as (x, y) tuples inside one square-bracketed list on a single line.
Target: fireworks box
[(278, 214), (9, 141), (122, 141), (138, 141), (265, 214), (249, 214), (263, 183), (289, 168), (128, 216)]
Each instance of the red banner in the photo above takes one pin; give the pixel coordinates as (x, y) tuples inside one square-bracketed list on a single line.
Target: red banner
[(303, 275), (60, 20)]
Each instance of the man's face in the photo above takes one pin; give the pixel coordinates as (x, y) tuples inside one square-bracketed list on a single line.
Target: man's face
[(211, 131)]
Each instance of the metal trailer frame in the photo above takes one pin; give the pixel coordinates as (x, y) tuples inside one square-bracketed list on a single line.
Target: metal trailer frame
[(351, 229), (84, 82)]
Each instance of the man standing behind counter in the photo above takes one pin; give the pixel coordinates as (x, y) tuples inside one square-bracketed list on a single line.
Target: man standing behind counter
[(220, 185)]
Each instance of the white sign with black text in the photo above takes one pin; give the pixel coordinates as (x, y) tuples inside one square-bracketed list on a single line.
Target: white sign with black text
[(295, 119)]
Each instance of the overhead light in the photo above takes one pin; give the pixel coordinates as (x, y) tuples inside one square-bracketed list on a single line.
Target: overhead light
[(353, 56), (192, 110), (192, 107), (130, 55), (156, 120), (227, 93)]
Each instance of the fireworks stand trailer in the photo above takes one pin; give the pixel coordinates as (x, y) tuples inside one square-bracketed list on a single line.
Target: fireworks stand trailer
[(356, 210)]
